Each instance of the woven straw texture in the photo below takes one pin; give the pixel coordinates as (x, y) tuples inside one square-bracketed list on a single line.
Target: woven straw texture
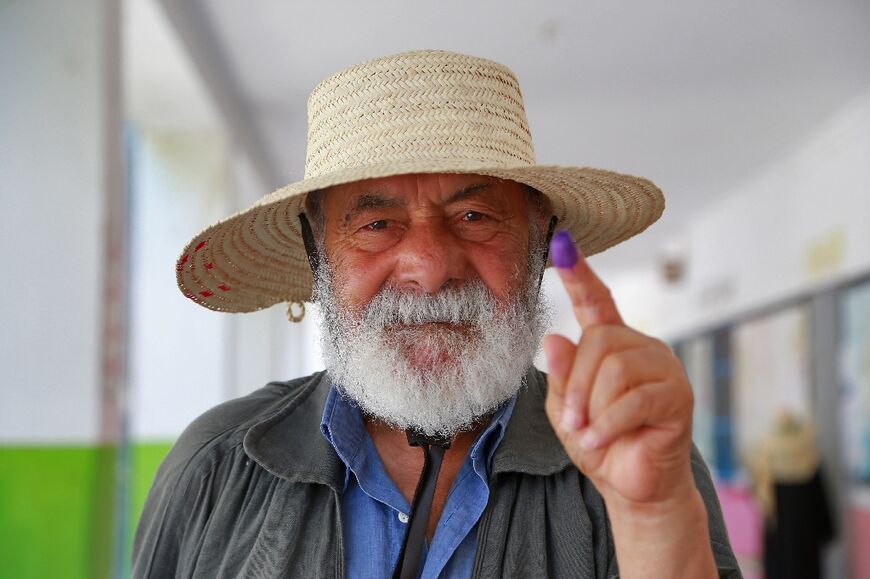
[(417, 112)]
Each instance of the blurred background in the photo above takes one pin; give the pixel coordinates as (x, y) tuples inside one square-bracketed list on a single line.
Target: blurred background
[(128, 126)]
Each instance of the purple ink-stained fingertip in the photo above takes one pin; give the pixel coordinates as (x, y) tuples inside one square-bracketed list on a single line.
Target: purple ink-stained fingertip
[(562, 250)]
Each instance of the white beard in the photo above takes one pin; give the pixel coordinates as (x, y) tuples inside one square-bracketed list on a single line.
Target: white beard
[(434, 379)]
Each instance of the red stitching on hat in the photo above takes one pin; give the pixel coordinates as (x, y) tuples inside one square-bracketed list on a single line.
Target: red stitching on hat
[(224, 287), (206, 293), (181, 262), (200, 246), (209, 265)]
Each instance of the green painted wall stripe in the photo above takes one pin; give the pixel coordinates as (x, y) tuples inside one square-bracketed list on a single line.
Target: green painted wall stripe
[(53, 512), (56, 507)]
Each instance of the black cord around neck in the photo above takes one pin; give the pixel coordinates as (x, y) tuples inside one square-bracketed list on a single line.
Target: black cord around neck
[(433, 454)]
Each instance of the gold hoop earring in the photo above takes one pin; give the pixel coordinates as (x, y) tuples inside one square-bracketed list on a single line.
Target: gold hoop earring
[(292, 315)]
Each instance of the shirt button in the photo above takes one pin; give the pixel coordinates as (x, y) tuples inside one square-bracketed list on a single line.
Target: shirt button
[(403, 518)]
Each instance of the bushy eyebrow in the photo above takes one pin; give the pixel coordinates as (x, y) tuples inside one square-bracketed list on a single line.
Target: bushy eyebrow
[(468, 191), (372, 200)]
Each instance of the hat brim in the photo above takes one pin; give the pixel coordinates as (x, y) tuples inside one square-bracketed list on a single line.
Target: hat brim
[(256, 258)]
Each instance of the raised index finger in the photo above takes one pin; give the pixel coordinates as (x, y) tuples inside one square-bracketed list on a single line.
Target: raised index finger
[(593, 304)]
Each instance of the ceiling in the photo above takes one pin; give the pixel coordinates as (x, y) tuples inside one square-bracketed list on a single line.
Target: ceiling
[(696, 96)]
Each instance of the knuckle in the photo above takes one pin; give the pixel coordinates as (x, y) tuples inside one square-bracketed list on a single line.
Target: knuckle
[(642, 402), (591, 297), (662, 345), (666, 358), (597, 337), (600, 333), (587, 296), (605, 425), (616, 368)]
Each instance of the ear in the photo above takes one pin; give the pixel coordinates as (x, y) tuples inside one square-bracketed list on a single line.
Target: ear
[(540, 209), (310, 244)]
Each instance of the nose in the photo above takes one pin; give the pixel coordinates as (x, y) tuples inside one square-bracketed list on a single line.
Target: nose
[(429, 258)]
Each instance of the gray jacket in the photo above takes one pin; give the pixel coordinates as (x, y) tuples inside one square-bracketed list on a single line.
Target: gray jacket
[(252, 489)]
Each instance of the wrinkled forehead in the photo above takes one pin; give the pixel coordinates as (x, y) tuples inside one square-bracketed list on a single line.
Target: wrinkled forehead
[(404, 191), (420, 190)]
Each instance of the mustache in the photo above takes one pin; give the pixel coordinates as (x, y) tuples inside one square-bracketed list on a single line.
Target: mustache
[(470, 303)]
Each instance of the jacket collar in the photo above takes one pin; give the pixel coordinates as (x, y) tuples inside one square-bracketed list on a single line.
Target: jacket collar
[(290, 445), (529, 445)]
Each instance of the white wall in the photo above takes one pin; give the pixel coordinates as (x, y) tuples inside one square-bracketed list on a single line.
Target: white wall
[(185, 359), (179, 357), (186, 174), (57, 117), (800, 224)]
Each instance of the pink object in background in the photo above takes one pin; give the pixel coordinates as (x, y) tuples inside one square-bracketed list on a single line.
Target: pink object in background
[(859, 520), (745, 528)]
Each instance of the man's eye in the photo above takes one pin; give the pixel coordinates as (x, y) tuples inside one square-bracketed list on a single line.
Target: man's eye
[(377, 225), (472, 216)]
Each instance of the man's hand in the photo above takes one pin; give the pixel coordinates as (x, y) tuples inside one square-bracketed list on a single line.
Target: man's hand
[(621, 405)]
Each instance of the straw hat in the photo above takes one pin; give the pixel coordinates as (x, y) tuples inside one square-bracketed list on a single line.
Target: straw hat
[(417, 112)]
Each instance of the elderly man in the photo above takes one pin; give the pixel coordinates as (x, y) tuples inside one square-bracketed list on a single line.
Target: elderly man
[(430, 446)]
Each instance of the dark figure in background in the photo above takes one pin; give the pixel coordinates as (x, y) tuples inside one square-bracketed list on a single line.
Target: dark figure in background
[(791, 491), (803, 526)]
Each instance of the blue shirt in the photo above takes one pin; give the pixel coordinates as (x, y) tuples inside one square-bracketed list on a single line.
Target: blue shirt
[(375, 513)]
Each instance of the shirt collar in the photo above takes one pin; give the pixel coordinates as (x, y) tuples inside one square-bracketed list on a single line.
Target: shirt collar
[(342, 425), (289, 444)]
